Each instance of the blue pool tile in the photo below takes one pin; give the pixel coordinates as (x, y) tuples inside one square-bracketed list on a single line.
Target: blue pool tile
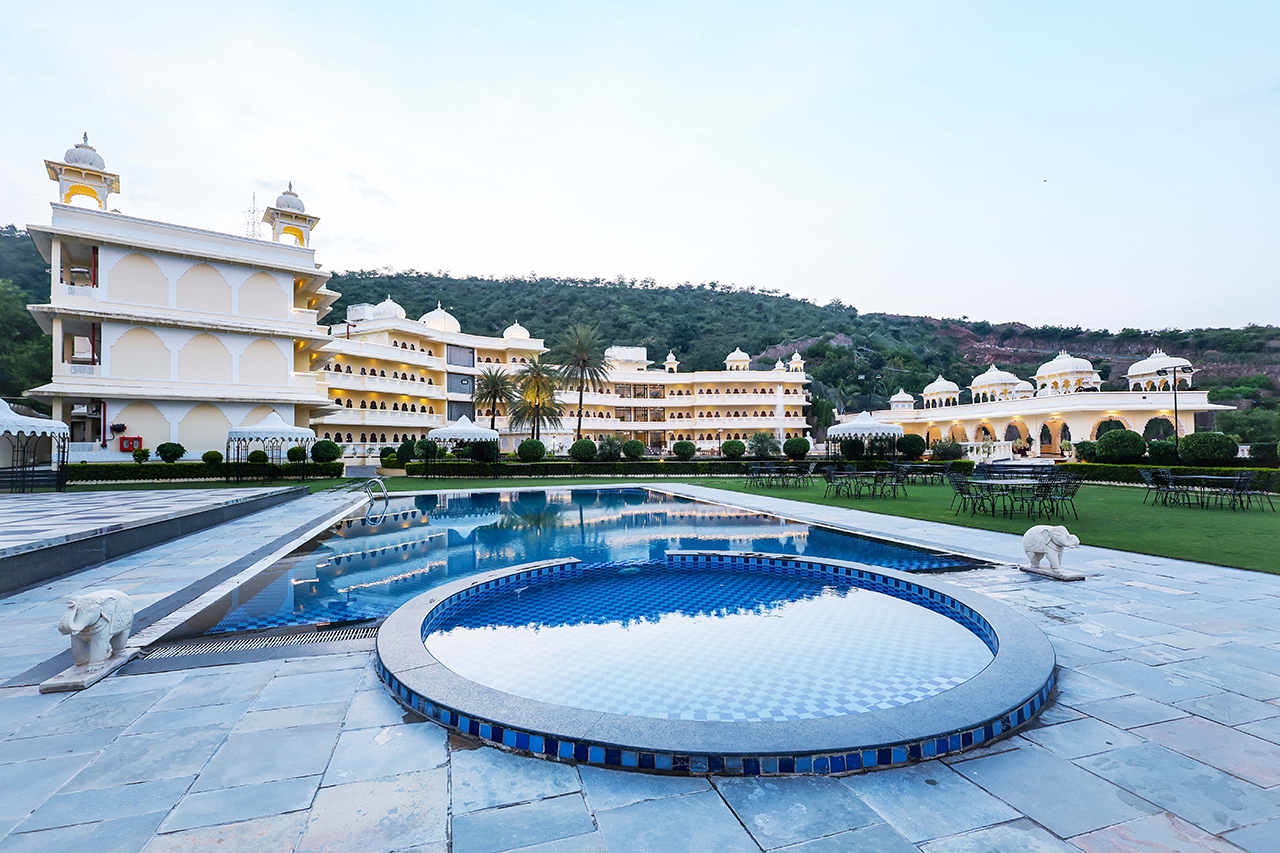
[(630, 759), (595, 754)]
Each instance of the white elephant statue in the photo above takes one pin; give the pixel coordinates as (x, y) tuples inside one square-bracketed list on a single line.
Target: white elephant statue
[(99, 624), (1046, 540)]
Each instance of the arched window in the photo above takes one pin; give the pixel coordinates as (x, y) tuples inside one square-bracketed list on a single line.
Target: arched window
[(337, 401), (383, 439), (395, 344), (348, 437), (395, 407), (326, 367), (362, 404), (413, 407), (431, 410), (348, 402), (412, 378), (431, 352), (326, 435), (348, 368), (363, 372), (395, 375), (395, 437), (382, 406), (363, 438), (430, 381), (413, 347)]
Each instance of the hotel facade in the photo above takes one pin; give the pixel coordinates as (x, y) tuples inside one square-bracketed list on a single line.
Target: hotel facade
[(165, 333)]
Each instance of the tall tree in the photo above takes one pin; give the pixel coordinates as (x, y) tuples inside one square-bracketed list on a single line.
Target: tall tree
[(536, 405), (494, 388), (580, 355)]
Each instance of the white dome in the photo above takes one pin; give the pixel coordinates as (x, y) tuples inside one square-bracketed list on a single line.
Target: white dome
[(1065, 363), (1024, 386), (1158, 360), (779, 365), (288, 200), (795, 356), (902, 397), (994, 376), (388, 309), (440, 319), (84, 154), (514, 332), (942, 386)]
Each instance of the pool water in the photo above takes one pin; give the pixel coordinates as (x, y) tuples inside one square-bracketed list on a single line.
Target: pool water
[(648, 640), (379, 558)]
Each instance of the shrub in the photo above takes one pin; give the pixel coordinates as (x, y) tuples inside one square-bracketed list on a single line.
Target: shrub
[(170, 451), (1087, 451), (462, 451), (633, 449), (582, 450), (211, 457), (388, 461), (485, 451), (733, 449), (853, 448), (764, 445), (947, 451), (384, 453), (531, 450), (684, 450), (408, 451), (1120, 447), (325, 451), (1208, 448), (796, 448), (912, 446), (1265, 453), (141, 455), (258, 457), (609, 449), (296, 454), (1163, 453), (425, 449)]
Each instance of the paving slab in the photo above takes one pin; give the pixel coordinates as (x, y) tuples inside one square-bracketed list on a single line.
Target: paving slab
[(1019, 836), (782, 811), (1128, 712), (285, 718), (26, 784), (311, 688), (880, 838), (231, 805), (609, 789), (107, 803), (275, 834), (1266, 729), (1155, 682), (146, 757), (376, 708), (1033, 781), (1081, 737), (1197, 793), (365, 754), (692, 822), (1260, 838), (1230, 709), (494, 830), (75, 743), (484, 778), (929, 800), (387, 814), (1226, 675), (119, 835), (84, 711), (1159, 833), (187, 718), (268, 756), (1240, 754)]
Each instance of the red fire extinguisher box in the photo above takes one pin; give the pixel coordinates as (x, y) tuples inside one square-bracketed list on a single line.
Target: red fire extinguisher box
[(128, 444)]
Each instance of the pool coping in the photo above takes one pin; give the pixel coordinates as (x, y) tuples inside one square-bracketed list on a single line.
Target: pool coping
[(1004, 696)]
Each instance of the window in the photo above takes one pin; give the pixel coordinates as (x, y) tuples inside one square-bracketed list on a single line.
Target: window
[(382, 373), (413, 407), (348, 404), (382, 406), (326, 435), (431, 410), (457, 409), (362, 404), (337, 401), (348, 437), (395, 437), (395, 407), (363, 438), (383, 439), (395, 375), (460, 356), (458, 383), (348, 368)]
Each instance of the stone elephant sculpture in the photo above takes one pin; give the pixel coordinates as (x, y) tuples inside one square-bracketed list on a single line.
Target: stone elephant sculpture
[(1046, 540), (99, 624)]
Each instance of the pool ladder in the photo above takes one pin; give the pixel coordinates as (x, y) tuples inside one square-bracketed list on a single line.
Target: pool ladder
[(369, 484)]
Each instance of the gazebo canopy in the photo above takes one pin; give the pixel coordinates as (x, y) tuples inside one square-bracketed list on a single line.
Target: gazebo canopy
[(15, 424), (271, 428), (864, 426), (463, 430)]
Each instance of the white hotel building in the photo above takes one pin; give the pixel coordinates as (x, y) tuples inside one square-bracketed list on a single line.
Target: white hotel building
[(164, 333)]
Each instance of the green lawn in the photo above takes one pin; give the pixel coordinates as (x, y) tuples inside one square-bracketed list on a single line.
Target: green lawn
[(1110, 516)]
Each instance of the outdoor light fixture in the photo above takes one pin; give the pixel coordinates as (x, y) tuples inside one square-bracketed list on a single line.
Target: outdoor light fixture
[(1174, 371)]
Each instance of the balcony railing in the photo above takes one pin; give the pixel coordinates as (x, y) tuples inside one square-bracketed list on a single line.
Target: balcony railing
[(403, 387)]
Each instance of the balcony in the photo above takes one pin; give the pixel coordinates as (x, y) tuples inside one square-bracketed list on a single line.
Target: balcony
[(384, 384), (382, 418)]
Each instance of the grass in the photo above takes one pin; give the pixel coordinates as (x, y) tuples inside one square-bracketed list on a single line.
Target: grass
[(1110, 516)]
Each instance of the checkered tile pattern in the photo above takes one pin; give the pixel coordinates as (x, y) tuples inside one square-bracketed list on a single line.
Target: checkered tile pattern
[(647, 640)]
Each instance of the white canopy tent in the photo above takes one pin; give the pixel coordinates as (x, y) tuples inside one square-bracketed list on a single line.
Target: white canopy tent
[(463, 430), (24, 440), (272, 432), (864, 426)]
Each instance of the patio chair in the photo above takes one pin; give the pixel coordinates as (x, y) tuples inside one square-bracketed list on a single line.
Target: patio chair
[(968, 496), (1263, 489), (833, 482), (1153, 488), (1238, 492), (1062, 494)]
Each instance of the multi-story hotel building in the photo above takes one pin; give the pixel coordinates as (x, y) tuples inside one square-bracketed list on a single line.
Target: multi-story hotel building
[(392, 378), (167, 333)]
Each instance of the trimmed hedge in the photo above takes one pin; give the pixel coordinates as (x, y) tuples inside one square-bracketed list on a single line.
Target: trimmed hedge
[(643, 467), (1096, 472), (108, 472)]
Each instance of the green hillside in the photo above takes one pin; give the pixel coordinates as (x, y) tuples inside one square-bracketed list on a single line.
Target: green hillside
[(856, 360)]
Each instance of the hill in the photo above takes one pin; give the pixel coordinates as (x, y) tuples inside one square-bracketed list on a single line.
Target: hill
[(856, 360)]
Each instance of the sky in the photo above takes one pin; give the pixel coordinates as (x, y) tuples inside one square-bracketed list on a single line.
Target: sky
[(1107, 165)]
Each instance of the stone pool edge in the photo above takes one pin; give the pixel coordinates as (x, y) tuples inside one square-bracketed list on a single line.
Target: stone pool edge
[(1005, 696)]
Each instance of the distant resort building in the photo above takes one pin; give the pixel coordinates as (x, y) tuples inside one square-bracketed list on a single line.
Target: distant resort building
[(166, 333), (1063, 403)]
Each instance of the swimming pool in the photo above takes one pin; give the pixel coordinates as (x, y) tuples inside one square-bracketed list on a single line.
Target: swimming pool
[(380, 557), (717, 662)]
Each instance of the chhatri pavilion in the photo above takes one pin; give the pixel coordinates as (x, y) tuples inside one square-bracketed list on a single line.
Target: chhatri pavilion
[(1062, 402)]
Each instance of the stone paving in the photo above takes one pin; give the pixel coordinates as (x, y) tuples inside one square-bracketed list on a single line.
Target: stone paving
[(1165, 737)]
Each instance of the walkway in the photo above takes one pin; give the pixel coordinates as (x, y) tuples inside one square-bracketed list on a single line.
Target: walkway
[(1165, 737)]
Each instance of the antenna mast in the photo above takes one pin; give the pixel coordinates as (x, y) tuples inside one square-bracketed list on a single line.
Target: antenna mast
[(253, 218)]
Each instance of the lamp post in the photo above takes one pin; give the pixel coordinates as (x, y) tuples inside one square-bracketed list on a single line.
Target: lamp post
[(1174, 371)]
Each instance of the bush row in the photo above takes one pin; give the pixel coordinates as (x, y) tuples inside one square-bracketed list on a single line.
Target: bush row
[(638, 468), (1098, 472), (106, 472)]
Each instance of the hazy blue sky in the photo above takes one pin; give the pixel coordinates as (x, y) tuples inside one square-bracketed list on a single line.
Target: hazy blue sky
[(1109, 164)]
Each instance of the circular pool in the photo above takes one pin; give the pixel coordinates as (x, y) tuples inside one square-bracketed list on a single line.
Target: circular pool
[(717, 662)]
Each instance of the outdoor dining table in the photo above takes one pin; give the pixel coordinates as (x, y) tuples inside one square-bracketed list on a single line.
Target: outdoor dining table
[(1005, 488), (1204, 487)]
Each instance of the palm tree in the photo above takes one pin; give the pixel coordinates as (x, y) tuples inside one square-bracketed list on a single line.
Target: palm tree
[(580, 355), (536, 406), (494, 388)]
